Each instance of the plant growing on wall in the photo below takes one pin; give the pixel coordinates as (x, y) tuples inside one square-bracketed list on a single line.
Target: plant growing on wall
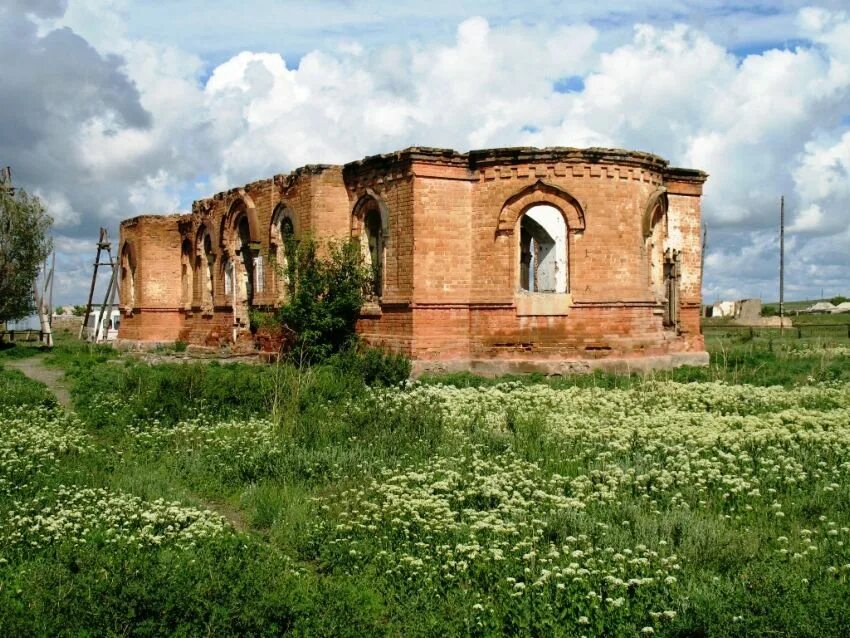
[(326, 289)]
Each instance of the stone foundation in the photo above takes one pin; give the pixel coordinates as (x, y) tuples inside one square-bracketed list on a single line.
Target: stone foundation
[(495, 367)]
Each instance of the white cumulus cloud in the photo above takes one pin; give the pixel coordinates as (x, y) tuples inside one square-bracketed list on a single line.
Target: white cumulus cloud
[(152, 124)]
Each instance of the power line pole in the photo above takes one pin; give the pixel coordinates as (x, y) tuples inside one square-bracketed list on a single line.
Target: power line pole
[(103, 245), (781, 263)]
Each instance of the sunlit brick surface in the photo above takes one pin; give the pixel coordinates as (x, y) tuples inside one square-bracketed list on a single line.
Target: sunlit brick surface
[(451, 294)]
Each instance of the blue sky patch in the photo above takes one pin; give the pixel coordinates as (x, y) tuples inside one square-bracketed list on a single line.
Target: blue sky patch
[(571, 84), (757, 48)]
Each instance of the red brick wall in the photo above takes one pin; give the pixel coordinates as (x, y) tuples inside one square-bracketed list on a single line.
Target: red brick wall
[(605, 258), (393, 330), (156, 244), (451, 258)]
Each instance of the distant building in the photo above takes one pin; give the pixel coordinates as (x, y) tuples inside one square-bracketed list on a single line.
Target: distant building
[(723, 309), (744, 309), (107, 329), (821, 307)]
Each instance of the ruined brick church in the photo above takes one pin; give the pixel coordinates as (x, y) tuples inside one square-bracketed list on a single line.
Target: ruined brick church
[(500, 260)]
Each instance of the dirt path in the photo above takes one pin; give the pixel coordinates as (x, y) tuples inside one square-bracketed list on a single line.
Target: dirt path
[(53, 378)]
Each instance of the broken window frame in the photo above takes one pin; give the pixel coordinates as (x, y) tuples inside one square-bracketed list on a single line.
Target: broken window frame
[(529, 271)]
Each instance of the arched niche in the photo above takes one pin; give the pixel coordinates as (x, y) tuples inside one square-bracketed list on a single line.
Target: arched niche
[(656, 207), (654, 228), (663, 264)]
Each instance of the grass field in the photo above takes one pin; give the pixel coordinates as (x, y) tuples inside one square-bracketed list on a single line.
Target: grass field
[(246, 500)]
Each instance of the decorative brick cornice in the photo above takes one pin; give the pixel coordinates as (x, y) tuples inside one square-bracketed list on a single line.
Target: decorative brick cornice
[(564, 154)]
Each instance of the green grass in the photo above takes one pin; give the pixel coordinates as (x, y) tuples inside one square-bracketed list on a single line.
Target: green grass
[(17, 390), (357, 510)]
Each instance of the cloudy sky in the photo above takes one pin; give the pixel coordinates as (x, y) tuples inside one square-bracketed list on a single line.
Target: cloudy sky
[(111, 108)]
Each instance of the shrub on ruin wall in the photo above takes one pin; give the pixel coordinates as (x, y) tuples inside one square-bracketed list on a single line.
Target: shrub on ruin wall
[(326, 289)]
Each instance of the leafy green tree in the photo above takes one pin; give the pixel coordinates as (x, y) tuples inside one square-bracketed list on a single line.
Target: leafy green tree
[(838, 299), (79, 311), (325, 293), (24, 245)]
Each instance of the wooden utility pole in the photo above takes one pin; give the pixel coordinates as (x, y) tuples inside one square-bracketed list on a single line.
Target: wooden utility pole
[(106, 309), (103, 245), (42, 293), (781, 264), (50, 293)]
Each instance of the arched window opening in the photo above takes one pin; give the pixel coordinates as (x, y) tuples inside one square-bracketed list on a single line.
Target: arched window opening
[(372, 244), (186, 275), (128, 278), (246, 282), (204, 271), (543, 250), (655, 250), (285, 248)]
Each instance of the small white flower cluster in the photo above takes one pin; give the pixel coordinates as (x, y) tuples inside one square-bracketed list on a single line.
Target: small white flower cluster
[(79, 515), (32, 439), (487, 524), (808, 350), (232, 448), (744, 454)]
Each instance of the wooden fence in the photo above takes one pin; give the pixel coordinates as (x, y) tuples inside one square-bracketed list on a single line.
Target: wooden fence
[(812, 330), (26, 334)]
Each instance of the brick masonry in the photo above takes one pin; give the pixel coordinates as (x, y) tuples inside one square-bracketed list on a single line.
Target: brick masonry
[(450, 260)]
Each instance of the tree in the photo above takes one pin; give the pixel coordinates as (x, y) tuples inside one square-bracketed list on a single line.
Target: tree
[(24, 245), (324, 298)]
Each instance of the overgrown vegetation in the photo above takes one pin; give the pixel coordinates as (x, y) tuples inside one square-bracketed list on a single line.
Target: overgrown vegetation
[(325, 294), (261, 500), (19, 391), (24, 245)]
